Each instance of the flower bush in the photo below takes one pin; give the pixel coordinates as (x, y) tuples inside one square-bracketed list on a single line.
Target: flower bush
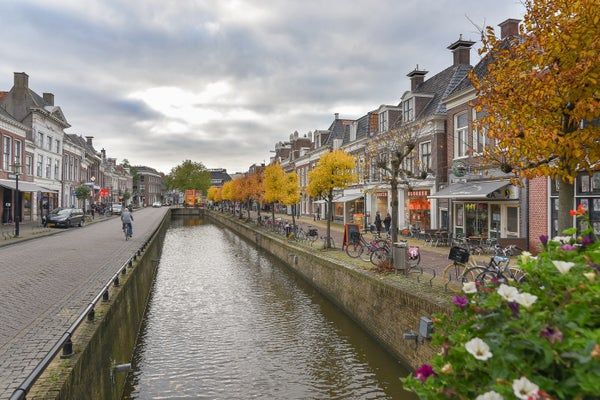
[(539, 339)]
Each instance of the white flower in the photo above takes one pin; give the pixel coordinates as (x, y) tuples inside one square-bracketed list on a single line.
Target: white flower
[(563, 266), (469, 287), (525, 256), (526, 299), (490, 396), (524, 388), (591, 276), (561, 239), (478, 348), (508, 293)]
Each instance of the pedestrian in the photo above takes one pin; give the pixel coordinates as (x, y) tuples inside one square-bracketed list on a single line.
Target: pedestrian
[(387, 222), (378, 222), (127, 220), (93, 210)]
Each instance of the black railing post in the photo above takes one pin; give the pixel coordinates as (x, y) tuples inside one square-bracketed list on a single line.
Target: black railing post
[(105, 296), (67, 350), (91, 315)]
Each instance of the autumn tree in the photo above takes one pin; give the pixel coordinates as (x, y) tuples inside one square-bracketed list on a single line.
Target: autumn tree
[(189, 175), (211, 193), (255, 189), (335, 170), (291, 193), (390, 151), (273, 184), (227, 191), (541, 96)]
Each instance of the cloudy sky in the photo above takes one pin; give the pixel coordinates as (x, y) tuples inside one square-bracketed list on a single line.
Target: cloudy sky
[(220, 81)]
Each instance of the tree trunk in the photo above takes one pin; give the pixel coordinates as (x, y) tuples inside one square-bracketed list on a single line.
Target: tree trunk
[(273, 211), (248, 205), (329, 217), (565, 203), (294, 215), (394, 225)]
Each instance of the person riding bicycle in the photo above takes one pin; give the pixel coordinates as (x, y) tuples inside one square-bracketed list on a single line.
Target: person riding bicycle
[(127, 220)]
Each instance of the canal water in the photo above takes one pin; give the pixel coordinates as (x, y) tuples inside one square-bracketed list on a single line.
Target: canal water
[(227, 321)]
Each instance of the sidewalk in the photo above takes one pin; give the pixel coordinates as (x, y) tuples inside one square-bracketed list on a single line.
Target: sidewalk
[(33, 229)]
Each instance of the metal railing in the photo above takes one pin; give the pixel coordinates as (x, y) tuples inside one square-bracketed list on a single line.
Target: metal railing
[(65, 342)]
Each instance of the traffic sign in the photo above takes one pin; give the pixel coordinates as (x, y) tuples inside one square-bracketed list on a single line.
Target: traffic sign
[(12, 176)]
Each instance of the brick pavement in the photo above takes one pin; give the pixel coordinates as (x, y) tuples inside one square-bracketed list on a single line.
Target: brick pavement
[(46, 283)]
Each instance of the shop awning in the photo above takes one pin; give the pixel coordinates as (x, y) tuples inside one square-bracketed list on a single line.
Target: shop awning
[(348, 197), (319, 201), (470, 190), (24, 186)]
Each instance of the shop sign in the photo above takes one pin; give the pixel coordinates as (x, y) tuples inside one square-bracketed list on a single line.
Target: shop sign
[(104, 192), (381, 194), (418, 193)]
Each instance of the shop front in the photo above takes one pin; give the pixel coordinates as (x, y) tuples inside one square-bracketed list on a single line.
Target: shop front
[(380, 200), (349, 208), (587, 194), (487, 209), (419, 209), (9, 202)]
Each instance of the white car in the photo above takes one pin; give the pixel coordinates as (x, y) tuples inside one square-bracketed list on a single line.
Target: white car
[(116, 208), (156, 204)]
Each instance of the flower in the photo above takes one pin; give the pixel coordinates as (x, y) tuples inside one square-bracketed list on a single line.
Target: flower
[(563, 266), (590, 276), (525, 256), (561, 239), (479, 349), (554, 335), (514, 307), (524, 388), (469, 287), (568, 247), (579, 211), (544, 239), (424, 372), (587, 240), (526, 299), (460, 301), (508, 293), (490, 396), (447, 369)]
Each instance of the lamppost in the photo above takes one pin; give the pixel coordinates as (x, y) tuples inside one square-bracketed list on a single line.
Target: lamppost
[(16, 209)]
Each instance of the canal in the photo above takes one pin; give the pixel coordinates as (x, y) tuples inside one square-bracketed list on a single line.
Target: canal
[(226, 321)]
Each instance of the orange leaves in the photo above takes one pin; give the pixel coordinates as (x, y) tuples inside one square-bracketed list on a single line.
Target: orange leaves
[(335, 170)]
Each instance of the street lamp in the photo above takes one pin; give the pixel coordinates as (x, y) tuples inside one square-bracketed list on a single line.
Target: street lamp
[(17, 211)]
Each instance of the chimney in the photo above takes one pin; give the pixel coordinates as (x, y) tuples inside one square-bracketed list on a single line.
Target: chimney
[(337, 115), (49, 98), (89, 140), (509, 27), (461, 49), (103, 152), (416, 78), (21, 80)]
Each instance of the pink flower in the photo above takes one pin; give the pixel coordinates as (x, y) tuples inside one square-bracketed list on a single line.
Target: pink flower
[(568, 247), (460, 301), (424, 372), (544, 239), (553, 335)]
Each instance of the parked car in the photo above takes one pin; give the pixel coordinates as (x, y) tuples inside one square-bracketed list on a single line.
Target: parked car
[(66, 217), (116, 208), (156, 204)]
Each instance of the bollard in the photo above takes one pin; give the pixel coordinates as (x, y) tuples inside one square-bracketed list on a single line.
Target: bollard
[(105, 296), (124, 271), (91, 315), (130, 263), (116, 282), (67, 350)]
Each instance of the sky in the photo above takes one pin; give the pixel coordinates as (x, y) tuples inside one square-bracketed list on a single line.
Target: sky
[(221, 81)]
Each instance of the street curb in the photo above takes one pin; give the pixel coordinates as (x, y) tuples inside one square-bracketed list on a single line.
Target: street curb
[(12, 242)]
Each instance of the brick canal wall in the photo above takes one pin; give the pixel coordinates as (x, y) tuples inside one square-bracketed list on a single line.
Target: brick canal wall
[(384, 308), (110, 339)]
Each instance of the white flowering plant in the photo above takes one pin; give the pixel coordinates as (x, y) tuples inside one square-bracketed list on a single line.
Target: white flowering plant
[(534, 340)]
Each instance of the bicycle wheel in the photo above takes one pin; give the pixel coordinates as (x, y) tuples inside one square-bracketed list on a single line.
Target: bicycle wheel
[(476, 274), (354, 250), (516, 274), (366, 254), (379, 257)]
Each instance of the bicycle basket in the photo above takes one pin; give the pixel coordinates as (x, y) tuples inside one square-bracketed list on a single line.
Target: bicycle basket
[(313, 232), (459, 254)]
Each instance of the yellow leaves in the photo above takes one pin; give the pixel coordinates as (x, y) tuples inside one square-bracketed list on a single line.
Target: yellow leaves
[(291, 189), (211, 193), (335, 170), (273, 183), (227, 191)]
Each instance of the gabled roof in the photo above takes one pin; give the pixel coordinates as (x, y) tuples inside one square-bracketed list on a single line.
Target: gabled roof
[(219, 175), (337, 129), (440, 85), (362, 125)]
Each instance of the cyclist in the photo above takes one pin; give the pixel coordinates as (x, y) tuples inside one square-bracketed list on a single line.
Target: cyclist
[(127, 220)]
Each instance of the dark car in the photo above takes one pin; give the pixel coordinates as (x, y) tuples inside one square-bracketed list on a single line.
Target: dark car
[(66, 217)]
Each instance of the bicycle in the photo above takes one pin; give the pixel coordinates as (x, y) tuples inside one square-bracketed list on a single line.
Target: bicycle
[(312, 235), (127, 230), (384, 254), (359, 247), (462, 266), (331, 242), (498, 269)]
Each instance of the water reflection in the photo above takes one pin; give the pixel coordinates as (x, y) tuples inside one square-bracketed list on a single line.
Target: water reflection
[(228, 322)]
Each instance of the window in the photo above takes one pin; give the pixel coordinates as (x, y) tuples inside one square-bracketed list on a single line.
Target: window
[(48, 168), (383, 121), (353, 128), (29, 165), (58, 146), (426, 156), (49, 143), (40, 164), (407, 108), (460, 135), (408, 163), (18, 151), (512, 221), (7, 153), (56, 169), (40, 140), (479, 137)]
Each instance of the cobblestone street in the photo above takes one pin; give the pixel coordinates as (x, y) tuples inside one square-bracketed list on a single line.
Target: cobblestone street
[(45, 283)]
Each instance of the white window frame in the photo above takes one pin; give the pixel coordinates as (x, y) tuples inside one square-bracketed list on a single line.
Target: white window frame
[(408, 110), (476, 136), (383, 121), (49, 142), (421, 154), (39, 171), (458, 132), (29, 164), (56, 169), (18, 153), (7, 144), (40, 140), (48, 168)]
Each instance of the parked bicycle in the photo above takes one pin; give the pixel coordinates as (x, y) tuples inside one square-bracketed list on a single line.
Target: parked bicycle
[(498, 269), (359, 247)]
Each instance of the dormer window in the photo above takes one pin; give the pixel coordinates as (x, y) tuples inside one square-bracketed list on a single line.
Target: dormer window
[(408, 110), (383, 121), (353, 128)]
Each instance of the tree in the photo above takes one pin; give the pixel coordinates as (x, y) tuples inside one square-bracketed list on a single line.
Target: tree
[(189, 175), (126, 196), (291, 193), (227, 191), (82, 193), (388, 151), (540, 95), (211, 193), (335, 170), (255, 189), (273, 184)]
